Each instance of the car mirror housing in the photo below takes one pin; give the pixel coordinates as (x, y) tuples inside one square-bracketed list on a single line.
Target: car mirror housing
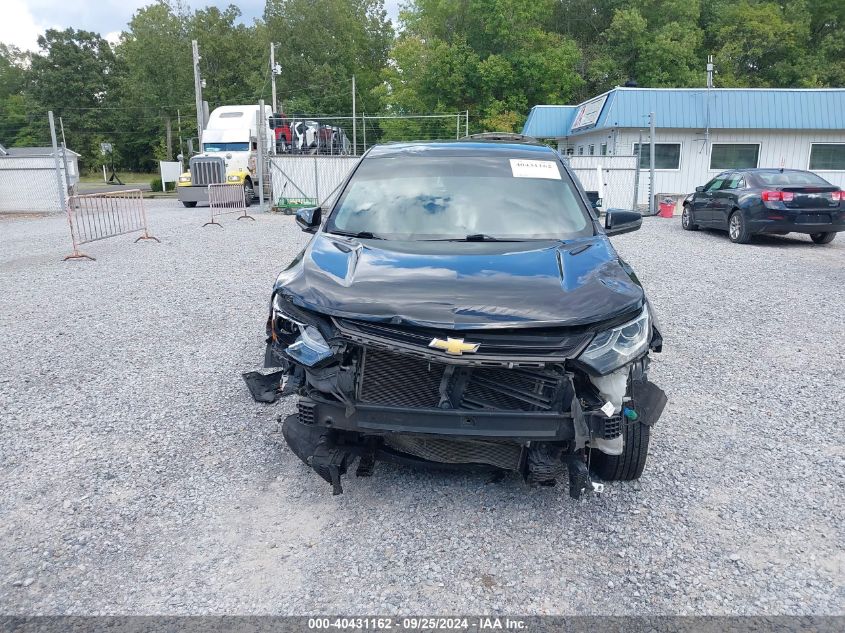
[(620, 221), (699, 189), (309, 219)]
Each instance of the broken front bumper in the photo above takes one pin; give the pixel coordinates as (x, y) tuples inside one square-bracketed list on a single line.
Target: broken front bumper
[(517, 426)]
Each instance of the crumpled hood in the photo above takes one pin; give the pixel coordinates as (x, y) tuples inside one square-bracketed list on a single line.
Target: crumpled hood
[(463, 285)]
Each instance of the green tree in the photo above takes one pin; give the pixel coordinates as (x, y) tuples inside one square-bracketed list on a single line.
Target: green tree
[(322, 44), (75, 75), (496, 57), (157, 84), (656, 44), (761, 44), (17, 113)]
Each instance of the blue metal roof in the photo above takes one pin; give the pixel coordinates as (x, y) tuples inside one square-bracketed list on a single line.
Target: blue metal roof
[(545, 121), (726, 108)]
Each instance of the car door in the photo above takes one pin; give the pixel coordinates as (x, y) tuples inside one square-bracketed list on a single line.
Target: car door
[(725, 199), (703, 201)]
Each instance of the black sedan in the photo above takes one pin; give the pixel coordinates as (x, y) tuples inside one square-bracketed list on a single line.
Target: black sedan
[(775, 201)]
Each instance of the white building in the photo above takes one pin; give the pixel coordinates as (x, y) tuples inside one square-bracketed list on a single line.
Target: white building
[(700, 133), (28, 178)]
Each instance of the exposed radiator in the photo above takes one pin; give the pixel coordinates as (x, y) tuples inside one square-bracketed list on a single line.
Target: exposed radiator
[(500, 454), (406, 381)]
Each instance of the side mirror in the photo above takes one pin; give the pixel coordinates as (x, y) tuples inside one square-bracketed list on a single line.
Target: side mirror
[(618, 221), (699, 189), (309, 219)]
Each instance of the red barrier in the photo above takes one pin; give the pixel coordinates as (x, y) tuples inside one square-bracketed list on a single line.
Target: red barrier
[(98, 216)]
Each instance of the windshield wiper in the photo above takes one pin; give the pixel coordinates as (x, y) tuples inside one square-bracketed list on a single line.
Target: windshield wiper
[(362, 235), (476, 237)]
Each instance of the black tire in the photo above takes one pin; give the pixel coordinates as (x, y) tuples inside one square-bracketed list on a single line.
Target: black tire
[(738, 228), (822, 238), (249, 192), (630, 464), (688, 220), (190, 204)]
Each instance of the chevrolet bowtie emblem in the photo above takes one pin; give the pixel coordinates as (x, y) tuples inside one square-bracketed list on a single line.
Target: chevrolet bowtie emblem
[(454, 346)]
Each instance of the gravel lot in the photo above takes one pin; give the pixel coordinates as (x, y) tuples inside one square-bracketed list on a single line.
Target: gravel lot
[(137, 475)]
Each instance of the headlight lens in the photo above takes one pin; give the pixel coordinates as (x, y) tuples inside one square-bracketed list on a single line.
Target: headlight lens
[(616, 347), (233, 178), (310, 348), (184, 179)]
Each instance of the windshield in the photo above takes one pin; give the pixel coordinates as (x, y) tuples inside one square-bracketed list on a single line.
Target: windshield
[(791, 179), (414, 197), (226, 147)]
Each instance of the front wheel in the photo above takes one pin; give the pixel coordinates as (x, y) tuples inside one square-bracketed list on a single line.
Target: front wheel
[(249, 193), (822, 238), (738, 228), (687, 220), (189, 203), (630, 464)]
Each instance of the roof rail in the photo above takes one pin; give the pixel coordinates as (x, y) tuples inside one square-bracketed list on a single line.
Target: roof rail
[(507, 137)]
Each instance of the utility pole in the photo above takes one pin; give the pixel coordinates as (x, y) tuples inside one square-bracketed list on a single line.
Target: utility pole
[(635, 204), (273, 74), (651, 208), (364, 125), (260, 121), (198, 92), (466, 129), (64, 154), (62, 194), (354, 122)]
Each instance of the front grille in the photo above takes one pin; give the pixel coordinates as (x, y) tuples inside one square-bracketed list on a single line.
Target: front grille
[(495, 346), (207, 171), (500, 454), (399, 380)]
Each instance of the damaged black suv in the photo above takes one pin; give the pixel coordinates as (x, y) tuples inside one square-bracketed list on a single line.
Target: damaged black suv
[(460, 304)]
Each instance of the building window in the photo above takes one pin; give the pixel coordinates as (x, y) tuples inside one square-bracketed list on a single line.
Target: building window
[(827, 156), (581, 150), (603, 149), (666, 155), (734, 155), (592, 150)]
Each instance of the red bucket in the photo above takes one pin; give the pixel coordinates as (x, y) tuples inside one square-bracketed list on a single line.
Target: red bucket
[(667, 208)]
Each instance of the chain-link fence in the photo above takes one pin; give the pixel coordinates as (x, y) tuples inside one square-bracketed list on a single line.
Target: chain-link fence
[(612, 178), (33, 180), (307, 180)]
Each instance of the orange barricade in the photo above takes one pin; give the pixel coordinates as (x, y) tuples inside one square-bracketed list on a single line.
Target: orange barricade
[(224, 198), (97, 216)]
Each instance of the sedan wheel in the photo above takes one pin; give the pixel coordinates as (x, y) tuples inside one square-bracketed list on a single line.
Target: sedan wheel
[(687, 219), (737, 229), (822, 238)]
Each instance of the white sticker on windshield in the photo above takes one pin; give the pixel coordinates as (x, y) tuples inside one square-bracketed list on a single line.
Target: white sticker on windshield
[(522, 168)]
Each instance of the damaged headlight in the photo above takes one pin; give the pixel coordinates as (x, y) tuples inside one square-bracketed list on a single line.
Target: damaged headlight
[(618, 346), (310, 348)]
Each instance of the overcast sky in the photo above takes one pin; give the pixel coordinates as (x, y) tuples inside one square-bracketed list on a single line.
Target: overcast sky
[(24, 20)]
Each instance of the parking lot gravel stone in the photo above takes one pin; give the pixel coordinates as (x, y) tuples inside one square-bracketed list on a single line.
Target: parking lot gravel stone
[(137, 476)]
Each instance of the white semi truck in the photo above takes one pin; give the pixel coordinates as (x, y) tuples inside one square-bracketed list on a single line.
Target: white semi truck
[(228, 154)]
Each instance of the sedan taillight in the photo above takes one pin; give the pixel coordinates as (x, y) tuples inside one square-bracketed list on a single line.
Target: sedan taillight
[(778, 196), (837, 196)]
